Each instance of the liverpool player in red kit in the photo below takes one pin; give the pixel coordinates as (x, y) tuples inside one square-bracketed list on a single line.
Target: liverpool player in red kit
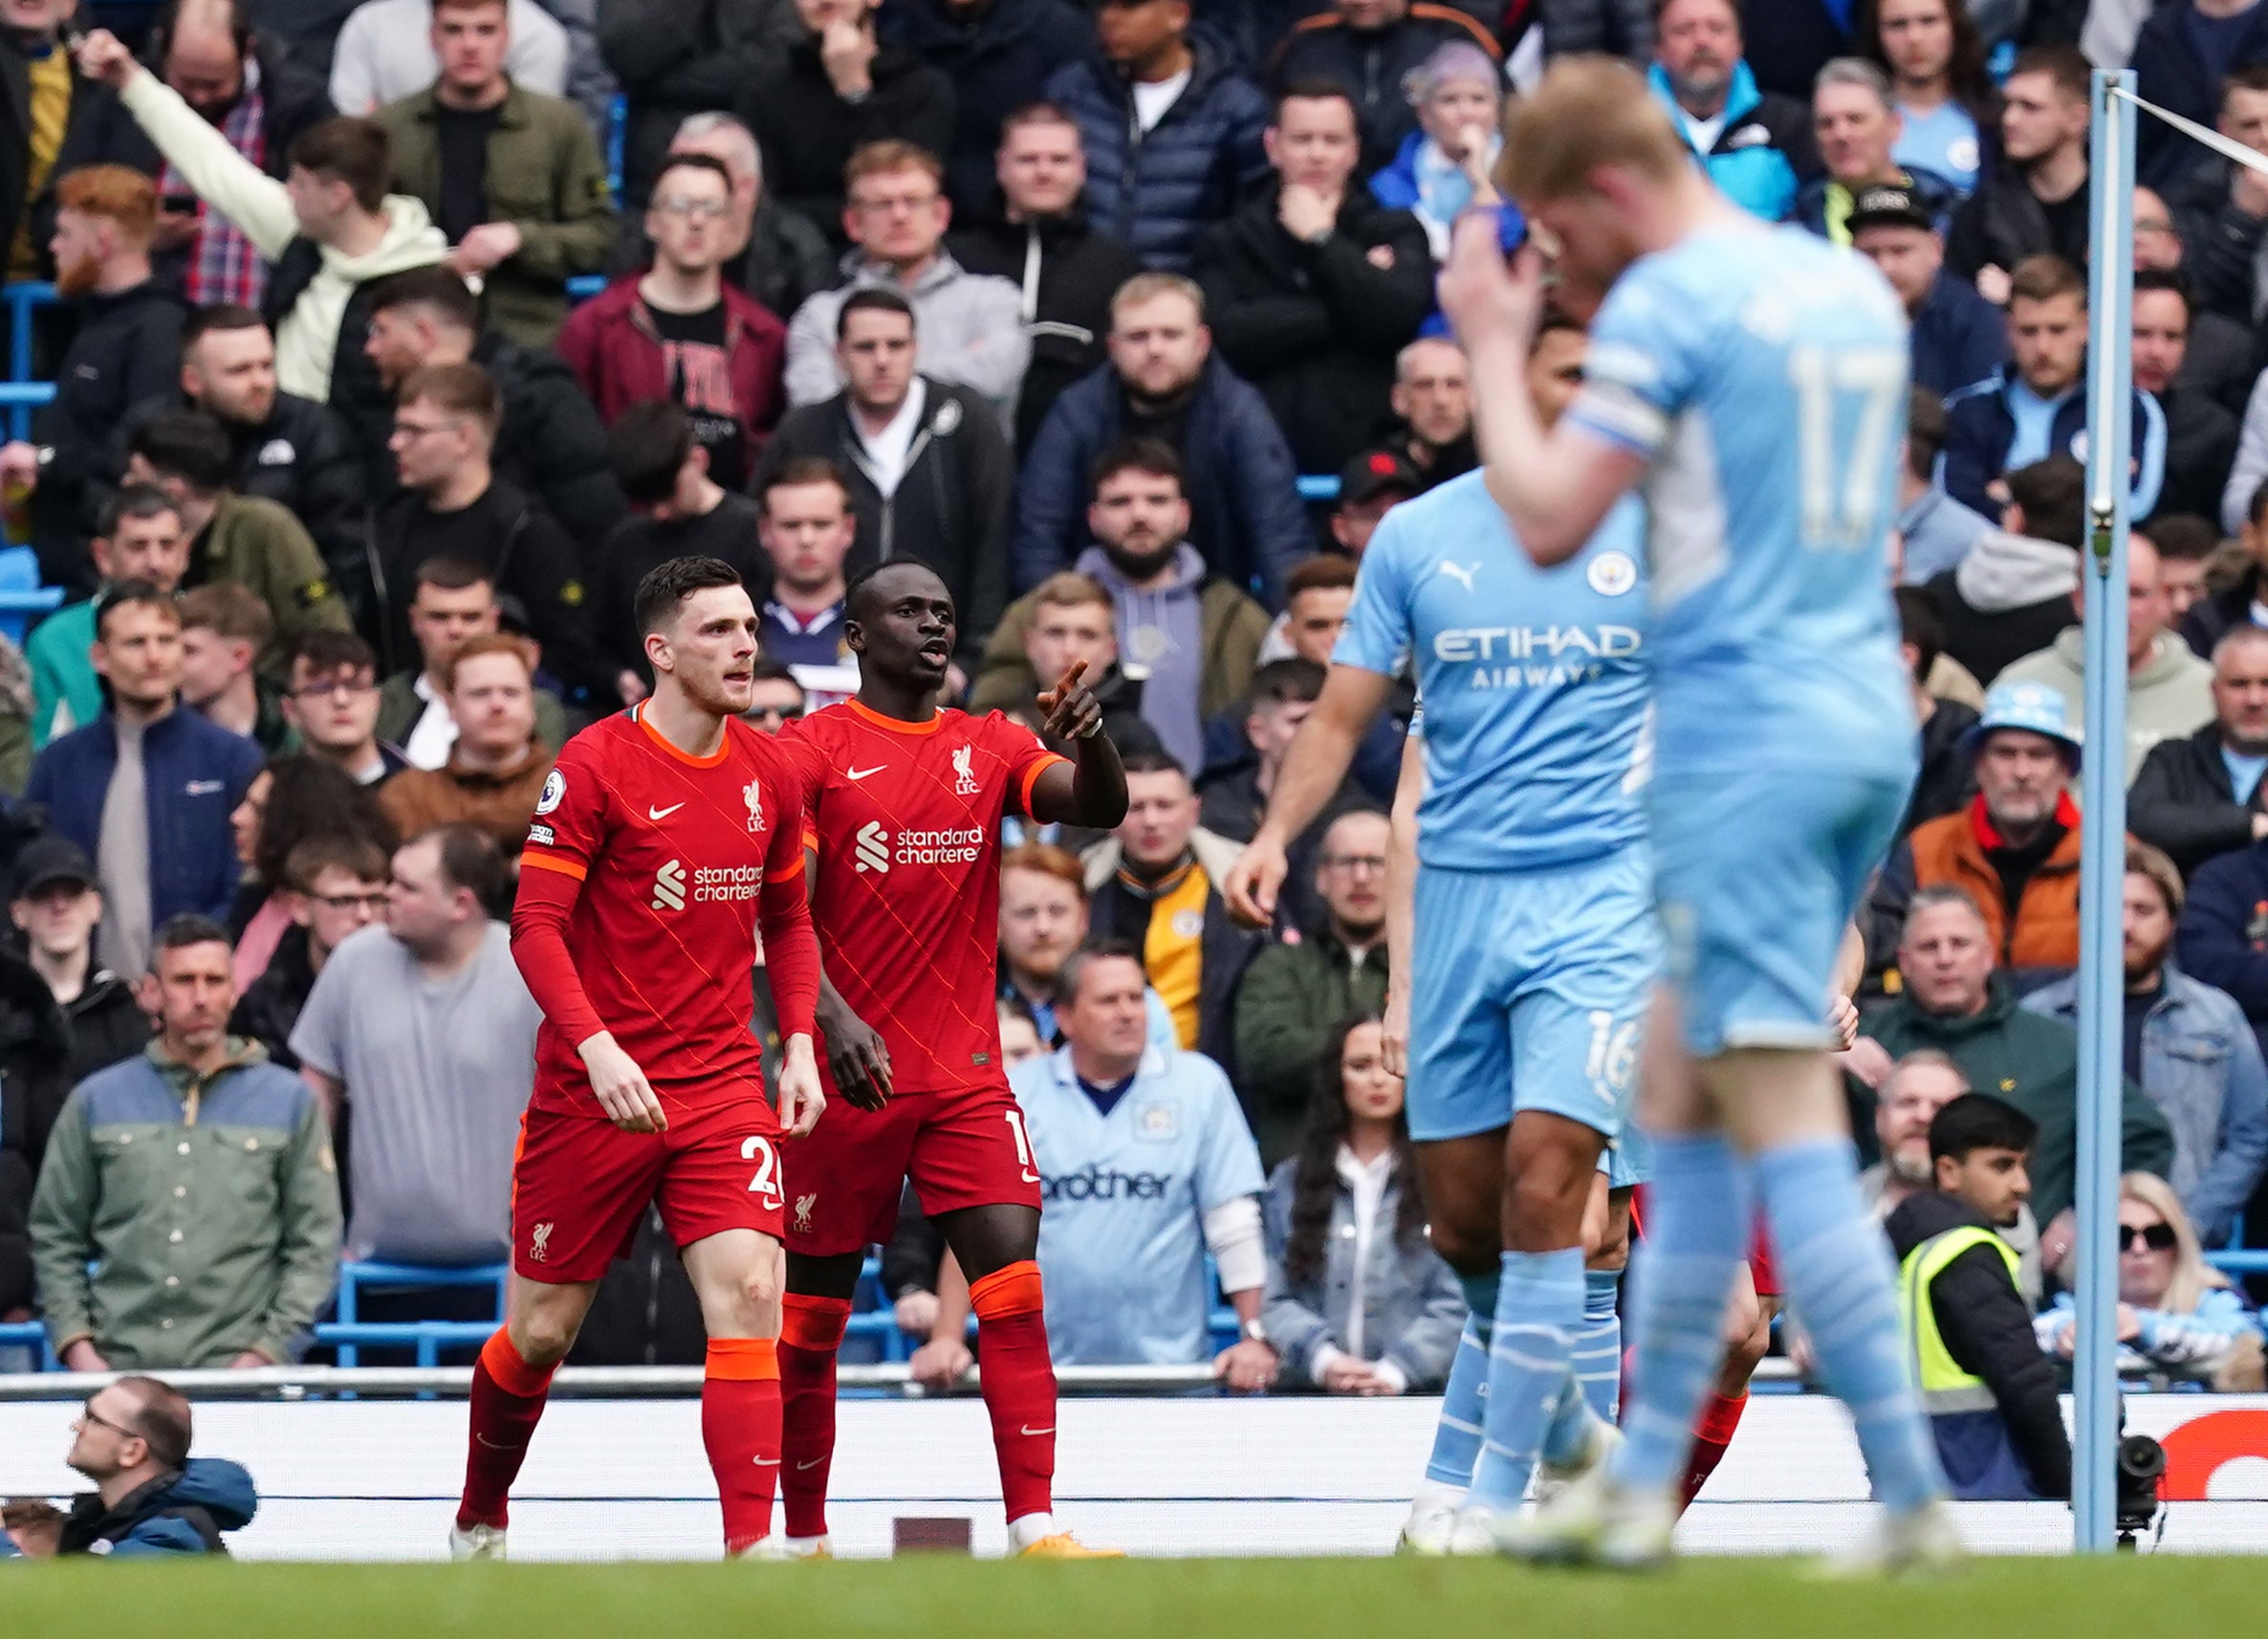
[(663, 839), (905, 804)]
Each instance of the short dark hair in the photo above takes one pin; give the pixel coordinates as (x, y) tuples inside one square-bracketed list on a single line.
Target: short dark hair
[(434, 288), (460, 390), (667, 585), (1313, 88), (1920, 627), (860, 590), (1325, 571), (765, 669), (2185, 537), (1979, 1120), (185, 929), (1289, 680), (1925, 427), (2252, 77), (357, 856), (2066, 65), (1152, 759), (2053, 494), (872, 298), (189, 445), (134, 501), (648, 446), (131, 594), (324, 652), (1076, 964), (450, 572), (221, 315), (798, 471), (160, 1419), (1136, 452), (683, 162), (2166, 280), (357, 152), (470, 861)]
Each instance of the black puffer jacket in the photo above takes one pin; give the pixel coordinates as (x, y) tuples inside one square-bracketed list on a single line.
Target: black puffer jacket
[(46, 1049), (1066, 307), (552, 444), (2184, 801), (997, 55), (1317, 327), (270, 1006), (807, 132), (127, 349)]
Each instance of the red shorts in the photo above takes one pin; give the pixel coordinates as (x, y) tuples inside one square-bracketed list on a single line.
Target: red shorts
[(961, 1147), (581, 1184)]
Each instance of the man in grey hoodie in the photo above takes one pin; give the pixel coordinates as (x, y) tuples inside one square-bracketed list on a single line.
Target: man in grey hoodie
[(2013, 593)]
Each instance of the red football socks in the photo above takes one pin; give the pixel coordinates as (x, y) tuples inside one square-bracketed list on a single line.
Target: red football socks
[(810, 1333), (1019, 1385), (507, 1400), (1712, 1439), (740, 1428)]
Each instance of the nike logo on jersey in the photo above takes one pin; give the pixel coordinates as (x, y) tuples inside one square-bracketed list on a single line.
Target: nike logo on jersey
[(802, 1468), (1463, 572), (663, 813), (767, 1462), (863, 772), (1033, 1434)]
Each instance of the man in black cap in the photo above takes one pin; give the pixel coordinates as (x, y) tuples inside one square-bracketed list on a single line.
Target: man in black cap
[(1958, 337), (1367, 485), (62, 1016)]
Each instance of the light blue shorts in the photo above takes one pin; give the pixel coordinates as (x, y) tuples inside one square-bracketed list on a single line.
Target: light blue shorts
[(1756, 876), (1529, 989)]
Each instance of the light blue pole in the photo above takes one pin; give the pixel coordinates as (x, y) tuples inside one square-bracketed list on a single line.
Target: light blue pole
[(2102, 801)]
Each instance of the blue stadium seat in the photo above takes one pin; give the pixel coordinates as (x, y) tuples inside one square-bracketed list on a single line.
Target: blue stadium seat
[(350, 1334), (1319, 486)]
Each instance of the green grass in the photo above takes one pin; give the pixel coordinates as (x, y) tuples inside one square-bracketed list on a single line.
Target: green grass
[(1155, 1599)]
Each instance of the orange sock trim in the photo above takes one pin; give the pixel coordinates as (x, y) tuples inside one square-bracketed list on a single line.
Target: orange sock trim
[(1011, 1291), (1720, 1417), (742, 1360), (511, 1373), (813, 1322)]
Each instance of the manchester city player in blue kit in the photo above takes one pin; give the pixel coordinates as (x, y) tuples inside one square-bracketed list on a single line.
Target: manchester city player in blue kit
[(1749, 381), (1535, 949)]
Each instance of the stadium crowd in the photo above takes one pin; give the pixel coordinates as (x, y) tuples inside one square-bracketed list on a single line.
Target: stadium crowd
[(374, 397)]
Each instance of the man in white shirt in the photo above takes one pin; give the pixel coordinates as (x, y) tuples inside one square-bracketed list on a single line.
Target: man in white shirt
[(385, 52)]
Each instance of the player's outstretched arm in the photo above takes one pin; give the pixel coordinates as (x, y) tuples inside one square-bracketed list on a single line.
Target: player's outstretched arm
[(1555, 485), (1312, 773), (1400, 902), (1092, 791), (539, 914)]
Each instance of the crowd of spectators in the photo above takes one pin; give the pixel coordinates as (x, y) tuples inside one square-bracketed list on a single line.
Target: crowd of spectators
[(376, 396)]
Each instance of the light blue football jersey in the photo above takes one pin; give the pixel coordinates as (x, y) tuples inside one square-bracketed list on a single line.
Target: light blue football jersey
[(1534, 680), (1122, 1201), (1762, 373)]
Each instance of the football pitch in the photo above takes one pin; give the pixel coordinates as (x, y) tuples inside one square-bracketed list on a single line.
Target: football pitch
[(1135, 1599)]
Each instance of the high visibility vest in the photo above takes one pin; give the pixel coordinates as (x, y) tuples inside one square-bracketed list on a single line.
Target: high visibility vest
[(1944, 1385)]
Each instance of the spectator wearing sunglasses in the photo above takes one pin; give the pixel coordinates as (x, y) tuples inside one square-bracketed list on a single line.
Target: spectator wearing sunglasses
[(775, 699), (2176, 1313)]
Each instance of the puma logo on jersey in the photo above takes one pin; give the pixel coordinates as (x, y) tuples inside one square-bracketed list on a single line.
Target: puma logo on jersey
[(1461, 572), (872, 846), (861, 773), (669, 886), (663, 813)]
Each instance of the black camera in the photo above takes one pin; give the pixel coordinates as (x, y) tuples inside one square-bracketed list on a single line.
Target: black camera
[(2141, 1466)]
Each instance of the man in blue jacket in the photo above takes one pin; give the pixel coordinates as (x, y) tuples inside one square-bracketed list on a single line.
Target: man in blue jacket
[(147, 788), (1164, 381), (1755, 146), (1958, 337), (2036, 406), (1171, 131), (150, 1496)]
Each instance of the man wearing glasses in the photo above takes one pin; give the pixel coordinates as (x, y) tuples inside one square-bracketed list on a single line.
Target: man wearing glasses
[(150, 1497), (420, 1028), (331, 699), (680, 332), (335, 886), (777, 700)]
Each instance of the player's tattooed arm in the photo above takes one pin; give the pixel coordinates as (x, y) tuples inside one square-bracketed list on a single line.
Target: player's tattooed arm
[(1092, 791), (856, 1054)]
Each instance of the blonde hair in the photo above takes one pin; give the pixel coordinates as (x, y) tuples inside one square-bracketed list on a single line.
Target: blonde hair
[(1589, 111), (2192, 1276), (1149, 287)]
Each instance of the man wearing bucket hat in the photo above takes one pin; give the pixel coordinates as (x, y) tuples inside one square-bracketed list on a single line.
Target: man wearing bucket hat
[(2014, 848)]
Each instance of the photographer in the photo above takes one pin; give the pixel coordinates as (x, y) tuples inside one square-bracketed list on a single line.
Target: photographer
[(150, 1496)]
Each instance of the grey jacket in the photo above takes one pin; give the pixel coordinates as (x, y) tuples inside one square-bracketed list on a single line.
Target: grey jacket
[(1413, 1308), (2201, 1066)]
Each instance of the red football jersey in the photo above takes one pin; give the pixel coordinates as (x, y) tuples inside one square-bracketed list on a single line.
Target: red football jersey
[(906, 818), (672, 852)]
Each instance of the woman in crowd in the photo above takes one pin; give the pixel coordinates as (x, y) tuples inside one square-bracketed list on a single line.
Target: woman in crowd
[(1935, 59), (292, 799), (1356, 1302), (2176, 1311), (1456, 92)]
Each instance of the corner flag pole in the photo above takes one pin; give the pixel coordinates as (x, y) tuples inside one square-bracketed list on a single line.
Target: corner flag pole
[(2102, 803)]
